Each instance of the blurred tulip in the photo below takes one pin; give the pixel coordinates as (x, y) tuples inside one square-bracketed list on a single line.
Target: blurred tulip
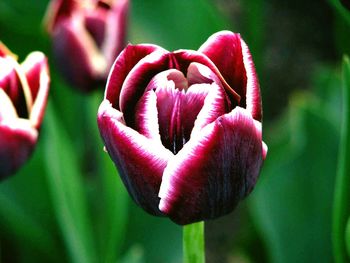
[(23, 96), (87, 36), (184, 127)]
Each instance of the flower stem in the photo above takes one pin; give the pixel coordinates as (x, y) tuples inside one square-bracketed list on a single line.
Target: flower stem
[(193, 243), (341, 206)]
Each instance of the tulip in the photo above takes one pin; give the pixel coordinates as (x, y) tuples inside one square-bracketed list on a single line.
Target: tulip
[(87, 36), (23, 96), (184, 128)]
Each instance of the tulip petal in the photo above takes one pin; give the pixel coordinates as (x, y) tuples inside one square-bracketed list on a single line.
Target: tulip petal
[(185, 57), (11, 84), (7, 110), (17, 140), (58, 10), (83, 64), (37, 72), (215, 103), (212, 172), (253, 97), (140, 161), (232, 57), (147, 116), (124, 63), (95, 23), (154, 63), (115, 30), (224, 49), (178, 105)]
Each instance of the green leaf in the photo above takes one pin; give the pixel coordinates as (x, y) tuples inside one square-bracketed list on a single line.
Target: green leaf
[(20, 225), (292, 202), (347, 236), (67, 191), (133, 255), (341, 211), (113, 198), (193, 243), (341, 10)]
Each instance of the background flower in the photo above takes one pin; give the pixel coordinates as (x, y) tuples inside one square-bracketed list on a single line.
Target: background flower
[(87, 35), (23, 95)]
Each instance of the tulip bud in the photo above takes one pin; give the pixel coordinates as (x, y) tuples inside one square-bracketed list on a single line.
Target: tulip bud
[(184, 127), (23, 96), (87, 36)]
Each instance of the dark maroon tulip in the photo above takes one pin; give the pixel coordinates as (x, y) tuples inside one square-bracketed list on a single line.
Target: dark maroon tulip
[(184, 127), (23, 96), (87, 36)]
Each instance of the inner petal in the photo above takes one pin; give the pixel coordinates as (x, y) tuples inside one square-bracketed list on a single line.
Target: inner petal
[(178, 106), (10, 83)]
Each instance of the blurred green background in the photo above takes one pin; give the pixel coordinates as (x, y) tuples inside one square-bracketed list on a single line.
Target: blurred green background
[(67, 203)]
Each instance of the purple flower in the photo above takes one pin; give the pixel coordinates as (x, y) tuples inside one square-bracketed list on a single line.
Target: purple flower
[(23, 96), (87, 36), (184, 127)]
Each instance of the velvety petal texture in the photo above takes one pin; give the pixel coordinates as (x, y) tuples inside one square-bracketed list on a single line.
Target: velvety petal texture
[(184, 127), (87, 36), (23, 96)]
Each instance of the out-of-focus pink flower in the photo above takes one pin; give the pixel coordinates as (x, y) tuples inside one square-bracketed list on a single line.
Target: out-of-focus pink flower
[(87, 36), (184, 127), (23, 95)]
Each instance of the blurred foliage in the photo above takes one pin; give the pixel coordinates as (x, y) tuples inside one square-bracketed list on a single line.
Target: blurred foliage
[(292, 203), (68, 203), (341, 207)]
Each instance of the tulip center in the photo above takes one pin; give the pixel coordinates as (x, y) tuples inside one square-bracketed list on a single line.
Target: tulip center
[(11, 82), (175, 107), (179, 101)]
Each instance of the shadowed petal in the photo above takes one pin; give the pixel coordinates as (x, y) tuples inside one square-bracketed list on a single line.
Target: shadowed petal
[(7, 110), (37, 72), (83, 64), (215, 103), (17, 140), (139, 160), (138, 79), (232, 57), (213, 171), (9, 81), (124, 63), (147, 116), (58, 10), (185, 57), (253, 96)]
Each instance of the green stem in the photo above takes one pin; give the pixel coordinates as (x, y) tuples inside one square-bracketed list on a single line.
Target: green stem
[(193, 243), (341, 207)]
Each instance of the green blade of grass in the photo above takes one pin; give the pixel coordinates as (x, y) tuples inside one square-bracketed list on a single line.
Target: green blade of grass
[(113, 216), (341, 208), (25, 229), (347, 234), (67, 192)]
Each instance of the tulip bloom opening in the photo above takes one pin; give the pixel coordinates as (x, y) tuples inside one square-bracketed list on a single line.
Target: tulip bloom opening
[(23, 96), (87, 36), (184, 127)]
